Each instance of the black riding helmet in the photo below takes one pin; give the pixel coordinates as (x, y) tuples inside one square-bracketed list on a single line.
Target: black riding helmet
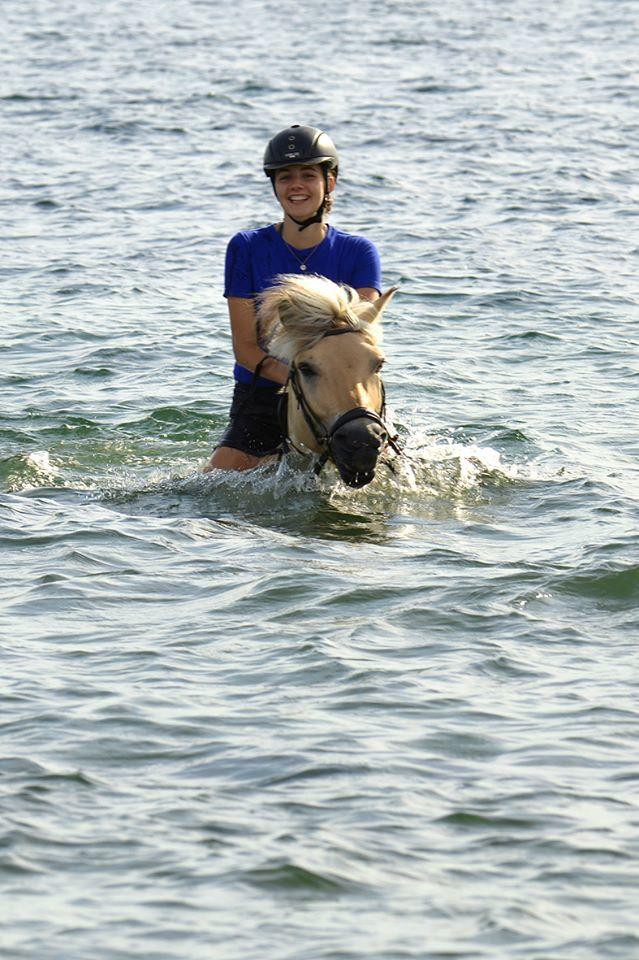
[(305, 146)]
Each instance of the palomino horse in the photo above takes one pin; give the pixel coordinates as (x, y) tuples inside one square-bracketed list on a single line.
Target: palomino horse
[(334, 397)]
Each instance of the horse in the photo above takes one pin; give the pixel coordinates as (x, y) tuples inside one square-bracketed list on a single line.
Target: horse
[(333, 404)]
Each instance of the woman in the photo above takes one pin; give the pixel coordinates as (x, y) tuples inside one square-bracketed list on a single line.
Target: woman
[(302, 163)]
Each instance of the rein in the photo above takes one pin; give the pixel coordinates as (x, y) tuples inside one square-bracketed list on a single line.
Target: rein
[(324, 437)]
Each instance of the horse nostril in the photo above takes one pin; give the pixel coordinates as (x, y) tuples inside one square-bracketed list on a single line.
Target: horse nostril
[(376, 435), (369, 442), (359, 437)]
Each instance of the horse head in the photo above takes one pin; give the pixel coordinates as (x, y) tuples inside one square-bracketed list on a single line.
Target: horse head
[(331, 340)]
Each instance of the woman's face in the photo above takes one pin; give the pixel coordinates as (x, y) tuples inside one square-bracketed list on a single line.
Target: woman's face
[(300, 190)]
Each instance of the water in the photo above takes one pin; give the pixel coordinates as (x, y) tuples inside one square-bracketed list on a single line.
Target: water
[(269, 717)]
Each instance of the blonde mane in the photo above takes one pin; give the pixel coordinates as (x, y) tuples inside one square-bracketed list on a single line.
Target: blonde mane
[(295, 313)]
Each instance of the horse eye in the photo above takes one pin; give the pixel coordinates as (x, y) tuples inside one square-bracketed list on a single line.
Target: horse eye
[(307, 370), (379, 364)]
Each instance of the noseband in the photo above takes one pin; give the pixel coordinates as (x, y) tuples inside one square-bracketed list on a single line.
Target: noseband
[(324, 437)]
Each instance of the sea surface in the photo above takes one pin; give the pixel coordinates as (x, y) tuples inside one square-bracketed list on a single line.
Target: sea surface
[(266, 717)]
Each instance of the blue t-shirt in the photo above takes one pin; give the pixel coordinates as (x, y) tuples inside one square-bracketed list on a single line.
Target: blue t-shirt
[(254, 258)]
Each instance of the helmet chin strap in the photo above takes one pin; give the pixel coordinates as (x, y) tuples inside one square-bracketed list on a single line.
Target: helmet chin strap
[(303, 224)]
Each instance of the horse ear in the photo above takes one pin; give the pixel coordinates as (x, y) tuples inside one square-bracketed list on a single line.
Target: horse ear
[(371, 310)]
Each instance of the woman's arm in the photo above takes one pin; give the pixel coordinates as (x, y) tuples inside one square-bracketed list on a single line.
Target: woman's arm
[(368, 293), (245, 346)]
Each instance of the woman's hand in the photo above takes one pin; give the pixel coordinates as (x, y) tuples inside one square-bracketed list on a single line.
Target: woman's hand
[(247, 351)]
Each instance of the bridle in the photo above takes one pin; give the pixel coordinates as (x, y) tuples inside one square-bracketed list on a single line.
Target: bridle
[(324, 437)]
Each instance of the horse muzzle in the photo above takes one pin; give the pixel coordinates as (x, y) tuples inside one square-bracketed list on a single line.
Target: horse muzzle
[(356, 441)]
